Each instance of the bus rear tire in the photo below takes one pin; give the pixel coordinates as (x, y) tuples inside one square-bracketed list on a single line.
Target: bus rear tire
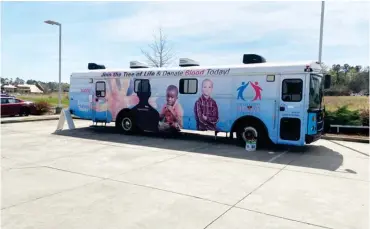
[(125, 123)]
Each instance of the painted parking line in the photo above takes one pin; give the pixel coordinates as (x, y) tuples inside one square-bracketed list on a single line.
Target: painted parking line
[(277, 156)]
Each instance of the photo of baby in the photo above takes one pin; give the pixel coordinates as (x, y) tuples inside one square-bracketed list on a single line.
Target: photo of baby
[(205, 109), (171, 115)]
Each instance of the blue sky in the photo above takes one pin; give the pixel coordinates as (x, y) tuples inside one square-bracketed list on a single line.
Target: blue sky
[(213, 33)]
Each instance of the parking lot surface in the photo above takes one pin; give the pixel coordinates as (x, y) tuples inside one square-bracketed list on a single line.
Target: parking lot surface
[(94, 177)]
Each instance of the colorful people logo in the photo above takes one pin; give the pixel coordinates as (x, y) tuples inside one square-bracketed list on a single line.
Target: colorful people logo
[(241, 90), (257, 90)]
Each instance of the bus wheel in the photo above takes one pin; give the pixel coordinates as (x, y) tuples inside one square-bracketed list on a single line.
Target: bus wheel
[(251, 131), (125, 124)]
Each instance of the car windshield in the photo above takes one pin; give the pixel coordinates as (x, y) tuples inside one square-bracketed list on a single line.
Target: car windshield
[(315, 91)]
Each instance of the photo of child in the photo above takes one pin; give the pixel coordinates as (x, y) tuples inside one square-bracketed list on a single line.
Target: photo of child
[(205, 109), (171, 114)]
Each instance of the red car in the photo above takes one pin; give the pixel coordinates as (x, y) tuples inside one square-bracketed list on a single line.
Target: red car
[(11, 106)]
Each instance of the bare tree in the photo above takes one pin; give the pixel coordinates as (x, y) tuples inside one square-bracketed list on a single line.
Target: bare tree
[(160, 52)]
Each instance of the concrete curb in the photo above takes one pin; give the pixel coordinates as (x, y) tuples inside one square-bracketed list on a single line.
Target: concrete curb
[(33, 119), (347, 139), (29, 120)]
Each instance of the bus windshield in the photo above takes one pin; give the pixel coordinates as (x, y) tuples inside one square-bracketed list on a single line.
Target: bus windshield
[(315, 91)]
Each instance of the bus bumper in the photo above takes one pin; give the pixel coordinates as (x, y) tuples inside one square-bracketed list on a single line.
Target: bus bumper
[(312, 138)]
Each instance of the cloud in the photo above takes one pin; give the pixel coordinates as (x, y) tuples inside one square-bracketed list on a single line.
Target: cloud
[(214, 33), (239, 21), (206, 25)]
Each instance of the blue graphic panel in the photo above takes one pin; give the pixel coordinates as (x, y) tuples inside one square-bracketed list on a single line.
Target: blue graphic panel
[(312, 124), (79, 105)]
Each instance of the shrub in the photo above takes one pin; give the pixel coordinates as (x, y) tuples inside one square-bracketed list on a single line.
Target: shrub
[(337, 91), (365, 117), (347, 117), (342, 116), (42, 107)]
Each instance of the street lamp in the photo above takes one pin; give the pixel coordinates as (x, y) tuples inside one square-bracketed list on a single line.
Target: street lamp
[(59, 107), (321, 29)]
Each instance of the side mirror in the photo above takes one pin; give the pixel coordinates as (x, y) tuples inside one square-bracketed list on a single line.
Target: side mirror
[(327, 81)]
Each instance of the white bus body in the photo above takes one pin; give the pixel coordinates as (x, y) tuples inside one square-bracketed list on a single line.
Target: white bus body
[(279, 102)]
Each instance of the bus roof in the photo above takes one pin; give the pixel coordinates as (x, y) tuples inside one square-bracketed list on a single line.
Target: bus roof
[(259, 67)]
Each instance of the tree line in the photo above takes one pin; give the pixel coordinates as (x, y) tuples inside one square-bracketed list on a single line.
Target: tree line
[(47, 87), (347, 79)]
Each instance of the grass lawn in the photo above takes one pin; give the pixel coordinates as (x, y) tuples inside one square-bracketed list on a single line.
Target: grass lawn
[(50, 98), (353, 102)]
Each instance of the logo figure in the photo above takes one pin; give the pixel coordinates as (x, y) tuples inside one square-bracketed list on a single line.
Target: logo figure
[(257, 90), (241, 90)]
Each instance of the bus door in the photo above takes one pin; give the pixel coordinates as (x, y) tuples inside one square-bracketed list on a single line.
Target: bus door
[(291, 110), (99, 102)]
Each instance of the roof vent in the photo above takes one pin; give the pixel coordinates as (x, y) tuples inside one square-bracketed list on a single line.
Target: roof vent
[(253, 59), (93, 66), (137, 64), (186, 62)]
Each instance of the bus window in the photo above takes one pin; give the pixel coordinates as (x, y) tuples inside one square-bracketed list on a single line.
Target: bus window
[(292, 90), (188, 86), (142, 85), (100, 89)]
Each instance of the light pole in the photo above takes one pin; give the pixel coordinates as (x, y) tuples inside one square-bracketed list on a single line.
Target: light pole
[(59, 107), (321, 29)]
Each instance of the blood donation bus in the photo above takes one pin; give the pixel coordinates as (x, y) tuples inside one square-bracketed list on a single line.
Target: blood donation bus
[(276, 102)]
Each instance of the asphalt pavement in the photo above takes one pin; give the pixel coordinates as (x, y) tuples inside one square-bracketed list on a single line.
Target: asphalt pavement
[(94, 177)]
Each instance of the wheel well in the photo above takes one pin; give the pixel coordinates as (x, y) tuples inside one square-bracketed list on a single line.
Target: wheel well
[(248, 119), (124, 111)]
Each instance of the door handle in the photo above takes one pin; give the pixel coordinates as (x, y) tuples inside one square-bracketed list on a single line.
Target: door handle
[(282, 108), (96, 100)]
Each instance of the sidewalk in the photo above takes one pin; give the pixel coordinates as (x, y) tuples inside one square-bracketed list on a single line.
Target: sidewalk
[(343, 137)]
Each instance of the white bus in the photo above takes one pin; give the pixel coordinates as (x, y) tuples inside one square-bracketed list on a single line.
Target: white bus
[(281, 103)]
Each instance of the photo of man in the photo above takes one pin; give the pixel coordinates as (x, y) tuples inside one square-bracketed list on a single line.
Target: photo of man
[(147, 117)]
